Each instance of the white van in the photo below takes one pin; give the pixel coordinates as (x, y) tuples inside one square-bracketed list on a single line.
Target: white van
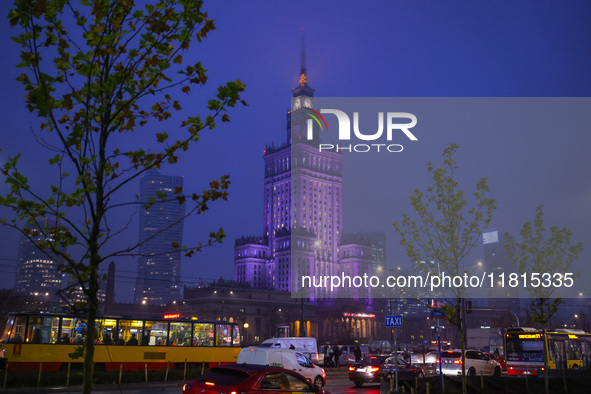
[(284, 358), (306, 345)]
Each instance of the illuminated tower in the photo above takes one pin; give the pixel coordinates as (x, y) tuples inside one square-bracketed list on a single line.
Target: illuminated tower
[(302, 224), (159, 264), (36, 273)]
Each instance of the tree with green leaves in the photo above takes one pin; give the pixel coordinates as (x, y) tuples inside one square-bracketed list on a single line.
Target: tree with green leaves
[(443, 231), (94, 73), (545, 257)]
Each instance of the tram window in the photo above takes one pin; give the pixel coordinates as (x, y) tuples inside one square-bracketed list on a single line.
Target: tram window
[(236, 335), (180, 334), (17, 333), (42, 329), (7, 329), (68, 326), (224, 334), (106, 328), (130, 332), (203, 334), (155, 333)]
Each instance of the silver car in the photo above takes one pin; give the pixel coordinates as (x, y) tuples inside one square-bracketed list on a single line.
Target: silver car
[(477, 363)]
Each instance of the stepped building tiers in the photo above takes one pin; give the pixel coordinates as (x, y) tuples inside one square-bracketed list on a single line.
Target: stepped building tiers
[(303, 215)]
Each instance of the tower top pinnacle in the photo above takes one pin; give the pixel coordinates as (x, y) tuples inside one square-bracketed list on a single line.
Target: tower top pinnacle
[(303, 67), (303, 89)]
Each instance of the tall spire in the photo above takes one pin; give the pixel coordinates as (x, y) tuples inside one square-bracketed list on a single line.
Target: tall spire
[(303, 89), (303, 68)]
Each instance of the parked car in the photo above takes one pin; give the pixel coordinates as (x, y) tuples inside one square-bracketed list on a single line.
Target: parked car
[(306, 345), (367, 370), (372, 369), (477, 363), (498, 358), (284, 358), (254, 379), (406, 371)]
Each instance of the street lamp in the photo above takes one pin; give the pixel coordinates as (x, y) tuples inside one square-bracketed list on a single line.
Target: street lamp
[(245, 325)]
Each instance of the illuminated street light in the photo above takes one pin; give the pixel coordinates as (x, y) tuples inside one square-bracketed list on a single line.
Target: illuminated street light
[(245, 325)]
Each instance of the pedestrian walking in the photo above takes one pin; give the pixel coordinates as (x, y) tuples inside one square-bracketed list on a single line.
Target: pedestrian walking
[(337, 355), (357, 354)]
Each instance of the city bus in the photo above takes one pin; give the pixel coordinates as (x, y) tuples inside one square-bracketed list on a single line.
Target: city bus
[(566, 349), (31, 341)]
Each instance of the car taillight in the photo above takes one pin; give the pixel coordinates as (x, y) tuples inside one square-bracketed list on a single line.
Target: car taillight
[(373, 369), (351, 368), (457, 361), (438, 361), (186, 388)]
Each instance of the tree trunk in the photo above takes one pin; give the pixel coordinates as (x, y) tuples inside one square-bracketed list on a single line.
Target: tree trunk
[(460, 302), (546, 372), (91, 323), (95, 260)]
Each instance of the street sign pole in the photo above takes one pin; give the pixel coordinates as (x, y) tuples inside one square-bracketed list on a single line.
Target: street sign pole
[(395, 321), (440, 361), (396, 361)]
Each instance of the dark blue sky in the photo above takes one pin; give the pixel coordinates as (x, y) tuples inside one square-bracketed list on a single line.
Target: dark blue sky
[(354, 49)]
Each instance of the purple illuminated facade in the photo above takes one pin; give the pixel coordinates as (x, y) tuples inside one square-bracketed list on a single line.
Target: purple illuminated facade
[(303, 213)]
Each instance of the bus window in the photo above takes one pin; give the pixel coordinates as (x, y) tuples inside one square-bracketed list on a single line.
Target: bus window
[(203, 334), (130, 332), (524, 350), (586, 348), (180, 334), (17, 333), (106, 328), (573, 350), (224, 334), (156, 333), (556, 351), (42, 329)]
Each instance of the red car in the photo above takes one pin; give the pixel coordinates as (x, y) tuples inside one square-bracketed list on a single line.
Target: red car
[(252, 379), (498, 358)]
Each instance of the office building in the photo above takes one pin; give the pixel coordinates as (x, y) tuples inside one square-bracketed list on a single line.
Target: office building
[(160, 227)]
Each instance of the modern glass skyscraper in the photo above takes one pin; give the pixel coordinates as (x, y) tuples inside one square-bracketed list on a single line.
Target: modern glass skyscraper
[(37, 274), (159, 264)]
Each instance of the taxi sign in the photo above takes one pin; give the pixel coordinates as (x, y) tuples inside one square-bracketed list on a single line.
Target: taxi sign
[(394, 321)]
